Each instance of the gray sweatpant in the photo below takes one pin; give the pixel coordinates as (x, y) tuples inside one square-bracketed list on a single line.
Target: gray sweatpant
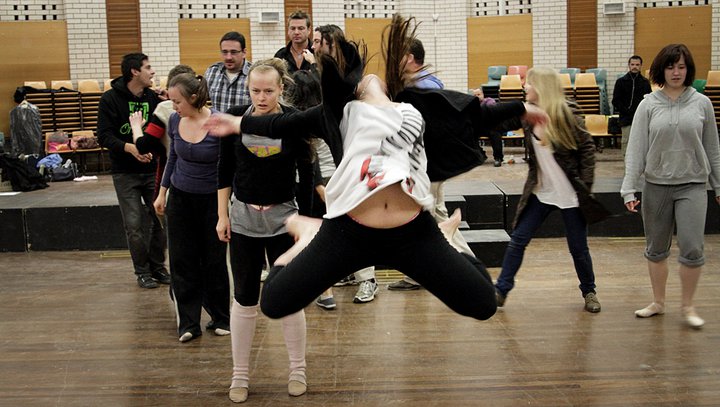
[(665, 207)]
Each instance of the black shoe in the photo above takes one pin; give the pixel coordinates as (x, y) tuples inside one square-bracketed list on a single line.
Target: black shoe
[(403, 285), (212, 325), (161, 276), (146, 281), (497, 163), (500, 298)]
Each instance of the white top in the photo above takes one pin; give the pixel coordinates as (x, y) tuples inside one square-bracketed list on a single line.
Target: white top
[(382, 145), (553, 187)]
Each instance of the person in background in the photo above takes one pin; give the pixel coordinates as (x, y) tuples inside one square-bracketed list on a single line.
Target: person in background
[(561, 169), (674, 144), (629, 91), (227, 80), (299, 44), (325, 42), (306, 93), (133, 173)]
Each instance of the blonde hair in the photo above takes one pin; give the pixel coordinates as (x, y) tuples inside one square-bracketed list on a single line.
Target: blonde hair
[(273, 64), (559, 131)]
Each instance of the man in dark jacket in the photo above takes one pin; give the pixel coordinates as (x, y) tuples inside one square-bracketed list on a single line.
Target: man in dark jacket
[(293, 53), (629, 91), (134, 173)]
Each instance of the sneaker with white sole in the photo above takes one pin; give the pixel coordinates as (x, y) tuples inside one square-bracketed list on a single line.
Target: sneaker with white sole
[(366, 292), (326, 303), (349, 280)]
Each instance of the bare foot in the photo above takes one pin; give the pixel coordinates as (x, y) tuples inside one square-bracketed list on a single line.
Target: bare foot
[(450, 226), (303, 229)]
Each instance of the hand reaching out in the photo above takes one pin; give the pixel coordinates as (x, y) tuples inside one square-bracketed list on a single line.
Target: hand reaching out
[(535, 115), (222, 124)]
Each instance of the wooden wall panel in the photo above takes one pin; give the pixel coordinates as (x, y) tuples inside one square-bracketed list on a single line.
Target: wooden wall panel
[(691, 26), (503, 40), (582, 33), (31, 51), (123, 30), (370, 30), (200, 40)]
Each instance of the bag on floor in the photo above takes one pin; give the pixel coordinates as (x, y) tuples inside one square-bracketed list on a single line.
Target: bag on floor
[(65, 172)]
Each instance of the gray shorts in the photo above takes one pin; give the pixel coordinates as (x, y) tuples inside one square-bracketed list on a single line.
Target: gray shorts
[(665, 207)]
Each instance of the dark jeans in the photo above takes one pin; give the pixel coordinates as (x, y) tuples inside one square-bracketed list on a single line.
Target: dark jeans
[(247, 258), (145, 236), (496, 142), (197, 260), (530, 220), (417, 249)]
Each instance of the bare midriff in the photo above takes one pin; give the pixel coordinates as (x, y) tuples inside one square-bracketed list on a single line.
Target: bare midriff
[(389, 208)]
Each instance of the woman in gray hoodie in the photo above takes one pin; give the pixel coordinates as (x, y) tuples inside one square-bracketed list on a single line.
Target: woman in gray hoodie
[(674, 144)]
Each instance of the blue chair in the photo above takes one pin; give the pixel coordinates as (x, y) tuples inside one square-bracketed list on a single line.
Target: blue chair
[(492, 87), (494, 74)]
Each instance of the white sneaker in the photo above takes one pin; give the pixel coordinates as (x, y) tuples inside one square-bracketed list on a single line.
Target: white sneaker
[(366, 292)]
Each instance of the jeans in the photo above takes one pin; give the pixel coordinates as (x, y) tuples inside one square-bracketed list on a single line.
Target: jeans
[(530, 220), (145, 236)]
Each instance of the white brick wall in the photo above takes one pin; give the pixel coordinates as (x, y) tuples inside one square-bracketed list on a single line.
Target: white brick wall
[(266, 38), (444, 39), (370, 8), (159, 32), (550, 33), (211, 9), (87, 39), (32, 10), (715, 58), (328, 12), (616, 42)]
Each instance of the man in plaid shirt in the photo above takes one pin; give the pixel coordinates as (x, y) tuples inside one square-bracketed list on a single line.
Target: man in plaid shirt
[(227, 80)]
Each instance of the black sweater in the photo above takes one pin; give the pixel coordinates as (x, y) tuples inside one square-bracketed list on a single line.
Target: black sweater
[(114, 130), (260, 180)]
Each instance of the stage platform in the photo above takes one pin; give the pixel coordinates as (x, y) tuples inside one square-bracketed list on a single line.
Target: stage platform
[(85, 215)]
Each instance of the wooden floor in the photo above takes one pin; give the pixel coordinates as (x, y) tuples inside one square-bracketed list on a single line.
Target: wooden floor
[(77, 331)]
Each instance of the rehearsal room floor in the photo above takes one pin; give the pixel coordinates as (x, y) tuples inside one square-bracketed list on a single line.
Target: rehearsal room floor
[(78, 331)]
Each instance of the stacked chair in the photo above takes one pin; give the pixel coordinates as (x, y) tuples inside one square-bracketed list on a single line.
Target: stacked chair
[(572, 72), (712, 91), (492, 87), (601, 79), (567, 86), (511, 88), (587, 93)]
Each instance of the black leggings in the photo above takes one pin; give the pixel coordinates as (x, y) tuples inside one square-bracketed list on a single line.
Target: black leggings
[(418, 249), (247, 257)]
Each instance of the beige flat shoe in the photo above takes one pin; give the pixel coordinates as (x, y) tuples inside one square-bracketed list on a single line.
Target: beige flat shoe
[(238, 394), (296, 388)]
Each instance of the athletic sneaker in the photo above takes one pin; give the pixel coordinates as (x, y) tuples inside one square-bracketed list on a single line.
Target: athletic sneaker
[(349, 280), (327, 303), (366, 292)]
